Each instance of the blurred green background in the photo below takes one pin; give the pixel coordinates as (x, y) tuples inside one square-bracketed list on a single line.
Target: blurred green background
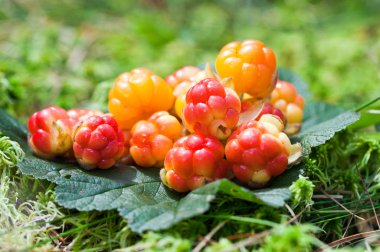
[(56, 52)]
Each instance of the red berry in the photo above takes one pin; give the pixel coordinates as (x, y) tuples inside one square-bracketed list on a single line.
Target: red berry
[(268, 109), (193, 161), (98, 142), (183, 79), (211, 109), (50, 133), (258, 150)]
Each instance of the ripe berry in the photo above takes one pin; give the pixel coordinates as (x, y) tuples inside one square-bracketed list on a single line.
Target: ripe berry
[(252, 66), (211, 109), (258, 150), (152, 139), (285, 98), (193, 161), (50, 133), (183, 79), (98, 142), (136, 95)]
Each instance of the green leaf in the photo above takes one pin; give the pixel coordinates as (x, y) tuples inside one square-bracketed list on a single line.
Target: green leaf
[(318, 134), (46, 169), (301, 86), (9, 126), (318, 112), (140, 196)]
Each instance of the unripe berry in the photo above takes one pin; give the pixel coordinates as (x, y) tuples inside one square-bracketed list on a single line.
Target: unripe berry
[(136, 95), (126, 157), (193, 161), (258, 150), (252, 66), (98, 142), (78, 115), (211, 109), (152, 139), (185, 74), (50, 133), (285, 98)]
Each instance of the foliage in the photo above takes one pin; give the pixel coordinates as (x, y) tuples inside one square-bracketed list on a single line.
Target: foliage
[(157, 242), (298, 238), (302, 190), (10, 152)]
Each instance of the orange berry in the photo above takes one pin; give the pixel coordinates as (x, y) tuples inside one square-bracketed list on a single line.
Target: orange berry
[(285, 98), (138, 94), (252, 66)]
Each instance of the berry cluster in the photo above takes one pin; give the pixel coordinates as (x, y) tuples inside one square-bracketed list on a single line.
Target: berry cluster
[(92, 138), (197, 125)]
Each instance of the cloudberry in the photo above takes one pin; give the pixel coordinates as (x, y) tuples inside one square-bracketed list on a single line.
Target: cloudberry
[(258, 150), (185, 74), (78, 115), (211, 109), (50, 133), (193, 161), (98, 142), (285, 98), (189, 77), (252, 66), (136, 95), (151, 139)]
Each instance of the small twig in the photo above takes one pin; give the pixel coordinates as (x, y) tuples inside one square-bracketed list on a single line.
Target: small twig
[(295, 218), (54, 234), (292, 213), (342, 206), (208, 237), (319, 196), (250, 241), (239, 236), (370, 200), (357, 206), (349, 225), (348, 239), (337, 191)]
